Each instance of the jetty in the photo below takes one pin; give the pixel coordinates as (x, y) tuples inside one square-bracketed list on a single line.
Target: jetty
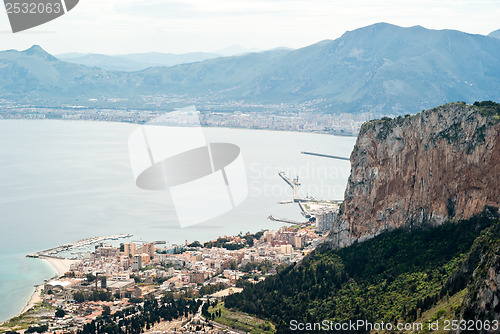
[(294, 184), (326, 156), (52, 252), (284, 220)]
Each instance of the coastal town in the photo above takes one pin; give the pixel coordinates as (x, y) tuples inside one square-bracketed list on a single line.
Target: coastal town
[(281, 117), (110, 280)]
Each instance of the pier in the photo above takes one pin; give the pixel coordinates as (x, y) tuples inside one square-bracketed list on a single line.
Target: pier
[(284, 220), (326, 156), (294, 184), (302, 208), (52, 252)]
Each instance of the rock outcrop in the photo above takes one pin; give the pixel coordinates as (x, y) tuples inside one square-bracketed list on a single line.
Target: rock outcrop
[(481, 303), (441, 164)]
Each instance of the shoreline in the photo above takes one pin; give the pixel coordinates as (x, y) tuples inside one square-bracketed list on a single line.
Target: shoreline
[(35, 298), (347, 134), (60, 266)]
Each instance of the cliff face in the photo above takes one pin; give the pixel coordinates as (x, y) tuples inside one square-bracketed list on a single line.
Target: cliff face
[(441, 164), (482, 299)]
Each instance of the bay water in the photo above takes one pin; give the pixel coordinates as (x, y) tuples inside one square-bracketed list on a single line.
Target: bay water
[(62, 181)]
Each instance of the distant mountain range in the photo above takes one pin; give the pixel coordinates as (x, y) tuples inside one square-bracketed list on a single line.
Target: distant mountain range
[(134, 62), (382, 68), (141, 61)]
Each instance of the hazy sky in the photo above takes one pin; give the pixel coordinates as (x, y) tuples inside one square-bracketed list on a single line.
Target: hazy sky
[(127, 26)]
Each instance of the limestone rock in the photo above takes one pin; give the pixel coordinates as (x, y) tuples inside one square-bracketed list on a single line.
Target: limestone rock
[(441, 164)]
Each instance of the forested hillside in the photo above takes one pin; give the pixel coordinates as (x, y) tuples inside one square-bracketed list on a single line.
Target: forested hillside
[(394, 277)]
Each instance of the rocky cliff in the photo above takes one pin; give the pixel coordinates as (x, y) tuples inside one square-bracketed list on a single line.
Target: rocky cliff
[(482, 299), (441, 164)]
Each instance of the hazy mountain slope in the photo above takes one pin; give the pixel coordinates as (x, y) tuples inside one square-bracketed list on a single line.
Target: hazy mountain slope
[(495, 34), (380, 68), (235, 50), (221, 78), (169, 59), (113, 63), (135, 61), (33, 73)]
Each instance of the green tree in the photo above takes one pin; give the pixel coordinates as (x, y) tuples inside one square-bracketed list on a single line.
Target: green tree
[(106, 311), (79, 297), (195, 244), (37, 329), (60, 313)]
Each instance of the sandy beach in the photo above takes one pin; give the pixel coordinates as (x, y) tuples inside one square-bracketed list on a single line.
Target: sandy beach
[(35, 298), (61, 266)]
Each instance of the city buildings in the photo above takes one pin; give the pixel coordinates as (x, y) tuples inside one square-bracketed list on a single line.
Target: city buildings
[(324, 220), (113, 276)]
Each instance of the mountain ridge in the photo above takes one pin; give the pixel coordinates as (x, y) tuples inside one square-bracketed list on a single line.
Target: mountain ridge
[(381, 69), (495, 34), (135, 61)]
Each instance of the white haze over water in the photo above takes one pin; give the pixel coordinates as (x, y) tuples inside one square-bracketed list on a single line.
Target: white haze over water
[(62, 181)]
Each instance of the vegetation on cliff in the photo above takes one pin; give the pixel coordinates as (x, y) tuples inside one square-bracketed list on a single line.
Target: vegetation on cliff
[(488, 108), (485, 108), (393, 277)]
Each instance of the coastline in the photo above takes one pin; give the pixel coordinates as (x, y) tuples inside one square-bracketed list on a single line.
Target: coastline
[(60, 266), (338, 134), (35, 298)]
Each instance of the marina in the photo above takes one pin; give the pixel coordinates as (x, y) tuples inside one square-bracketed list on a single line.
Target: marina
[(52, 252)]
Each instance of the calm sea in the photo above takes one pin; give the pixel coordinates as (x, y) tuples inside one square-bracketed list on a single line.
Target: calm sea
[(62, 181)]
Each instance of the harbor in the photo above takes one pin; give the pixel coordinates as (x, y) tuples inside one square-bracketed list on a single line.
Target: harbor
[(320, 213), (52, 252)]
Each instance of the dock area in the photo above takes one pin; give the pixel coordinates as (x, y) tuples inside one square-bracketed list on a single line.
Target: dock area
[(294, 184), (310, 207), (52, 252), (296, 199)]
